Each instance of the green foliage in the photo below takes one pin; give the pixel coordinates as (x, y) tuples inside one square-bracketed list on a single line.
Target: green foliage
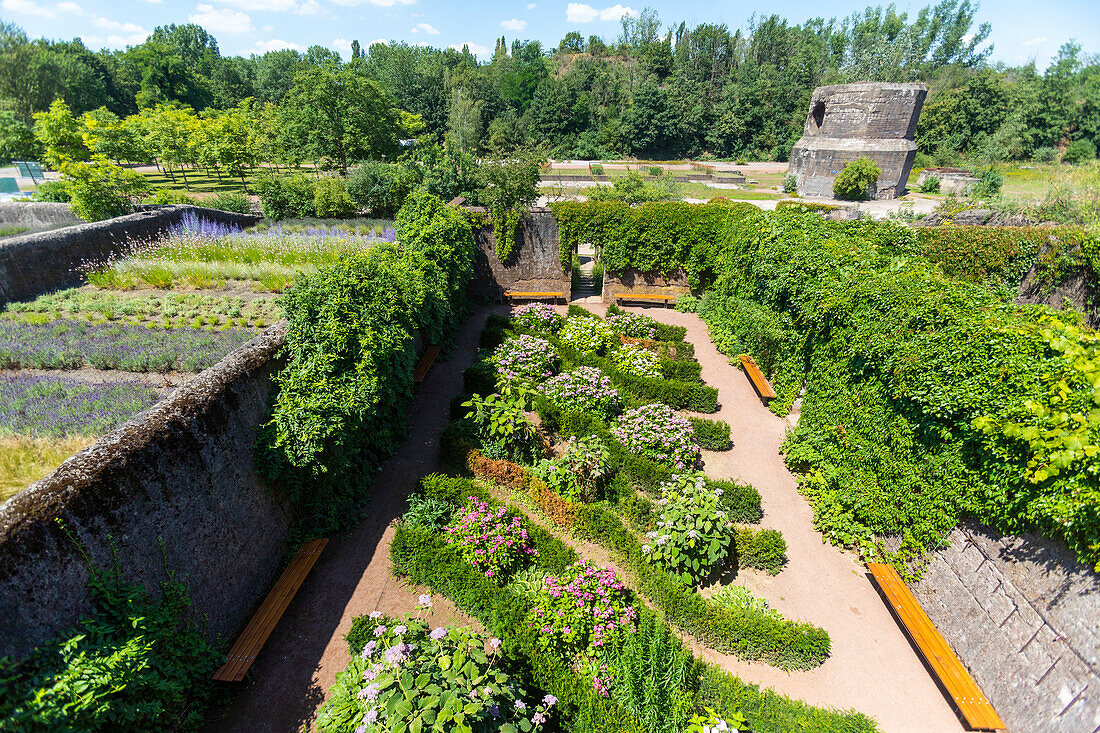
[(740, 598), (507, 187), (711, 434), (581, 610), (581, 471), (135, 664), (1079, 151), (286, 197), (712, 723), (57, 191), (501, 420), (590, 335), (341, 402), (694, 537), (634, 188), (99, 190), (790, 184), (856, 180), (60, 135), (990, 181), (760, 549), (930, 185), (227, 201), (331, 199), (636, 360), (380, 188)]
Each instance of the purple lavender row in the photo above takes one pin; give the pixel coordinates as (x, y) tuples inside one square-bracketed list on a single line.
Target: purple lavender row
[(64, 344), (48, 406)]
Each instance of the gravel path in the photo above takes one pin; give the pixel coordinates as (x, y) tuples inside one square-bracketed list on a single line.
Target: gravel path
[(872, 669), (352, 578)]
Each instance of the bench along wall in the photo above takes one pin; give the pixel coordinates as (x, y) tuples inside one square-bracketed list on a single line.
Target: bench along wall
[(535, 265), (1021, 613), (633, 280), (174, 488), (38, 263)]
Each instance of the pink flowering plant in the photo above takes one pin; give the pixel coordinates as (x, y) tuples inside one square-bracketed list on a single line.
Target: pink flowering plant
[(633, 325), (585, 389), (581, 610), (588, 334), (657, 432), (636, 360), (525, 360), (489, 539), (693, 538), (409, 676), (541, 317)]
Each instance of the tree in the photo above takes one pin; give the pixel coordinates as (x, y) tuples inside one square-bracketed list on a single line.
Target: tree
[(100, 190), (172, 133), (338, 114), (107, 135), (507, 187), (855, 181), (60, 134), (17, 141), (572, 43), (464, 121), (191, 43)]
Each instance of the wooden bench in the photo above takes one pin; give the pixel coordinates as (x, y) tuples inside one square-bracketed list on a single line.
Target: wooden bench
[(965, 694), (757, 378), (425, 363), (511, 295), (255, 634), (668, 300)]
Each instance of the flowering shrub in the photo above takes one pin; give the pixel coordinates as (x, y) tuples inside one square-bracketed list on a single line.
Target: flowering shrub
[(525, 359), (588, 334), (634, 325), (538, 317), (502, 425), (582, 609), (693, 537), (458, 686), (581, 470), (636, 360), (585, 389), (713, 723), (489, 539), (657, 432)]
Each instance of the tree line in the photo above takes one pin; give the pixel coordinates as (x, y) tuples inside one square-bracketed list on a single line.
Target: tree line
[(656, 91)]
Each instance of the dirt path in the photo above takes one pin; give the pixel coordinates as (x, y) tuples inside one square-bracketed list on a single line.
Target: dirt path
[(872, 669), (352, 578)]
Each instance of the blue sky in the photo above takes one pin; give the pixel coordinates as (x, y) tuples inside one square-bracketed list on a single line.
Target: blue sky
[(1022, 29)]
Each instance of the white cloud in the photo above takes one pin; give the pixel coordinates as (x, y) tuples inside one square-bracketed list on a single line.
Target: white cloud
[(383, 41), (584, 13), (513, 25), (532, 6), (1035, 41), (114, 25), (424, 27), (70, 8), (221, 20), (277, 44), (342, 45), (380, 3), (133, 39), (125, 34), (27, 7), (308, 7), (475, 48)]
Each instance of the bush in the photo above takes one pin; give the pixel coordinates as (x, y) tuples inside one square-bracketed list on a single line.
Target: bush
[(584, 389), (538, 317), (56, 191), (380, 188), (855, 181), (1079, 151), (637, 361), (1045, 154), (581, 610), (489, 539), (163, 196), (989, 183), (502, 421), (657, 432), (930, 185), (633, 325), (581, 471), (711, 434), (525, 360), (590, 335), (285, 197), (238, 203), (740, 501), (790, 184), (693, 537), (739, 598), (761, 549), (331, 199), (99, 190)]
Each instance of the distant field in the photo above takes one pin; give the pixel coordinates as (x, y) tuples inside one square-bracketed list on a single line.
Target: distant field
[(198, 181)]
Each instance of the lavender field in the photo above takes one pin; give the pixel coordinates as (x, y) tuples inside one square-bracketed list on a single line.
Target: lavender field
[(48, 406)]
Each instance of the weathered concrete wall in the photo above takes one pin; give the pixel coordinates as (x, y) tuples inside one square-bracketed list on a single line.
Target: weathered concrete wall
[(633, 280), (850, 121), (38, 263), (952, 180), (1024, 617), (37, 215), (535, 266), (174, 487)]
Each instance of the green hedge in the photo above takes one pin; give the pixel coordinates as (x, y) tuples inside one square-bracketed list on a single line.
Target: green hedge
[(741, 502), (711, 434), (760, 549)]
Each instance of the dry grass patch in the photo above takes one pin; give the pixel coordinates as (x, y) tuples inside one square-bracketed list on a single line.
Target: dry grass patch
[(24, 460)]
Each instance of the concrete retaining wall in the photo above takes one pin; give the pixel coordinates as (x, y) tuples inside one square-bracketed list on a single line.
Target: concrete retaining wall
[(1024, 616), (175, 487), (34, 264), (37, 215), (535, 266)]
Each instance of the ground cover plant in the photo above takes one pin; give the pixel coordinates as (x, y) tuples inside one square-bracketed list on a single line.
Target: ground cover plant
[(49, 406)]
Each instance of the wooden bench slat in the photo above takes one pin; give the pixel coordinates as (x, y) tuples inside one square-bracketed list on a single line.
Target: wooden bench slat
[(425, 363), (757, 377), (960, 686), (263, 622)]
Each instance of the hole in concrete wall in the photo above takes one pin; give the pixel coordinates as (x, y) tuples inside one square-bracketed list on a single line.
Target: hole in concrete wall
[(818, 114)]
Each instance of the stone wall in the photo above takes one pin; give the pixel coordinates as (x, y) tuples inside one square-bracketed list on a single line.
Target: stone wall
[(850, 121), (1077, 289), (39, 263), (175, 488), (535, 265), (37, 215), (633, 280), (1024, 617)]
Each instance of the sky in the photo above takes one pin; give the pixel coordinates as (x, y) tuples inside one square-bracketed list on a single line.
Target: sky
[(1023, 30)]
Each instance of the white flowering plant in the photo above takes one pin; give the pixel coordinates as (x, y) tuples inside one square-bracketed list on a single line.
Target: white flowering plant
[(636, 360), (590, 335), (693, 538), (410, 677)]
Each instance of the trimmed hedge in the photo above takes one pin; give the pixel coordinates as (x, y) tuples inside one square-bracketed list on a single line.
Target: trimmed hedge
[(711, 434), (761, 549), (741, 502)]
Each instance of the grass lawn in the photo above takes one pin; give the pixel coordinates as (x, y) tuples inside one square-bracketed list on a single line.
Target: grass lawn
[(200, 181), (25, 460)]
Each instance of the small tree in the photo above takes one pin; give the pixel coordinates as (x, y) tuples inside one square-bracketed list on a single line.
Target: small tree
[(61, 135), (506, 188), (99, 190), (855, 181), (1079, 151), (790, 184)]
